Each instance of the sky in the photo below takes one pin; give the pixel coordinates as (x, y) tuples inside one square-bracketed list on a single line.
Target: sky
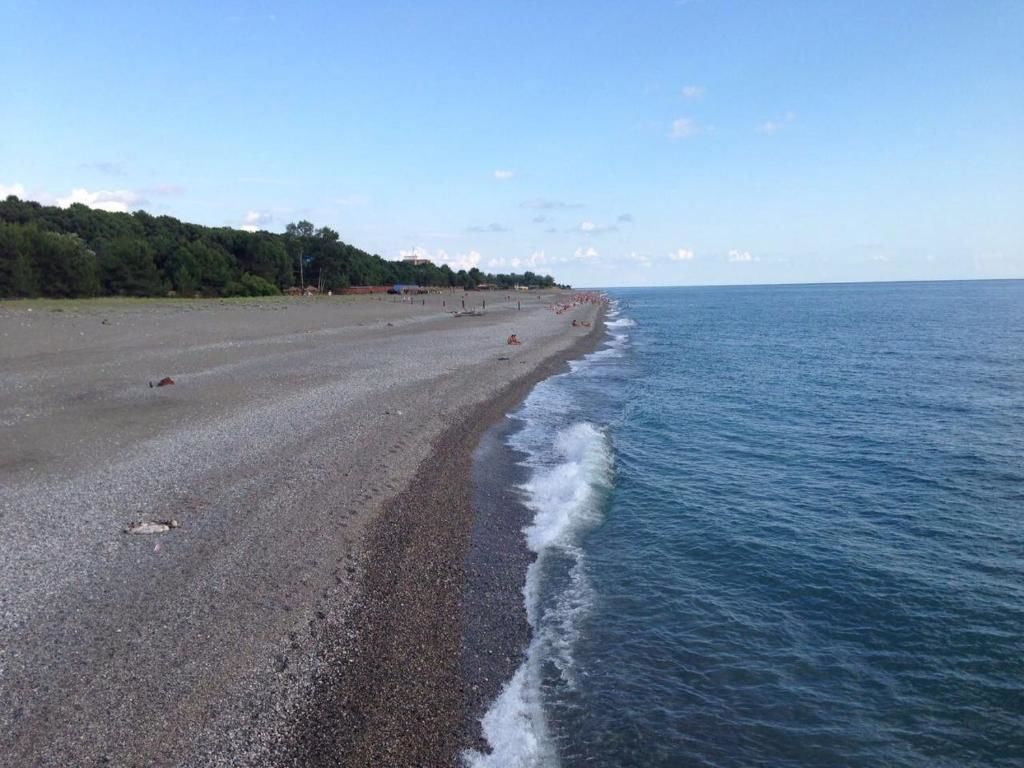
[(669, 142)]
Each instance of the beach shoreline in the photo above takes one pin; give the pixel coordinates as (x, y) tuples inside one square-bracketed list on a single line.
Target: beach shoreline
[(417, 696), (290, 426)]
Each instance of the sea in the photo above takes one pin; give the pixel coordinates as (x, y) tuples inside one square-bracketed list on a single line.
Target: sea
[(776, 526)]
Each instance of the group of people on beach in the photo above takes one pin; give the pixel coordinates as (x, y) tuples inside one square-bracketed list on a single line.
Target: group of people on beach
[(579, 299), (575, 300)]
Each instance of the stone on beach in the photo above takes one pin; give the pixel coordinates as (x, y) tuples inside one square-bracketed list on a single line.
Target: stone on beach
[(147, 527)]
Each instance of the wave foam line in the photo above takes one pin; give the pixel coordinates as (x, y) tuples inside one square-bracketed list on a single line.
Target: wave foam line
[(565, 495)]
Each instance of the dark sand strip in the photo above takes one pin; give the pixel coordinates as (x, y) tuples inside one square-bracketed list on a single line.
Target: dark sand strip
[(495, 630)]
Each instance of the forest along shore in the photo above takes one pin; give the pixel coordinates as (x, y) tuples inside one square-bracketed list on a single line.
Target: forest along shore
[(289, 425)]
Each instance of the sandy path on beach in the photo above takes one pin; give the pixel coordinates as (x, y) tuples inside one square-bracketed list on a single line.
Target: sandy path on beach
[(290, 423)]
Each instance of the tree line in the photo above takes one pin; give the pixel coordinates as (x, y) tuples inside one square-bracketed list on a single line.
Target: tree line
[(80, 251)]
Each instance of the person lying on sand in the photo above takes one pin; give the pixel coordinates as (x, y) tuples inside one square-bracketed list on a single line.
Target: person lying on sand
[(513, 339)]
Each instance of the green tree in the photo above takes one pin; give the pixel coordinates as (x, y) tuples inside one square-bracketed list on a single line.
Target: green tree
[(215, 266), (128, 269), (268, 258), (298, 240), (17, 278), (257, 286), (64, 266)]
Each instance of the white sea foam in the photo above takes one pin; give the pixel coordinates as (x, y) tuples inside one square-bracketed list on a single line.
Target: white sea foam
[(571, 472), (560, 496), (614, 346), (622, 322), (570, 476), (515, 727)]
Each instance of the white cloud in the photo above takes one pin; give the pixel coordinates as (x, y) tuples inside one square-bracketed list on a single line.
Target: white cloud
[(459, 261), (501, 175), (115, 201), (683, 128), (693, 91), (590, 228), (456, 261), (640, 258), (742, 256), (257, 217), (585, 253), (682, 254), (254, 221), (533, 261)]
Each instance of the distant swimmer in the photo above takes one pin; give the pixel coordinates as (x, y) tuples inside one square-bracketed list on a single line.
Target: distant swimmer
[(513, 339)]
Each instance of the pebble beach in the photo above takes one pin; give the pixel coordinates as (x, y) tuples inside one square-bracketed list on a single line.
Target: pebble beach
[(294, 593)]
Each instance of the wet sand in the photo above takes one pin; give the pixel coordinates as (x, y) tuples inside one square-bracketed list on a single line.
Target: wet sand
[(316, 455)]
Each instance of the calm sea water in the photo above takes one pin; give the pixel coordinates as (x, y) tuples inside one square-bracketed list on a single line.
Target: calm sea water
[(778, 526)]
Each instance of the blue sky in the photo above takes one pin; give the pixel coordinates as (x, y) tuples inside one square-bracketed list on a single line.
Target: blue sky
[(607, 143)]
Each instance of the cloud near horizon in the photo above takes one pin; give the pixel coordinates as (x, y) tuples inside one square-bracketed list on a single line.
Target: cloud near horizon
[(6, 190), (456, 261), (501, 175), (114, 201), (536, 260), (737, 256), (640, 258), (681, 254), (254, 221)]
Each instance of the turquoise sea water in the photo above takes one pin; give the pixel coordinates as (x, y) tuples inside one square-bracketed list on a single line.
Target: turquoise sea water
[(777, 526)]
